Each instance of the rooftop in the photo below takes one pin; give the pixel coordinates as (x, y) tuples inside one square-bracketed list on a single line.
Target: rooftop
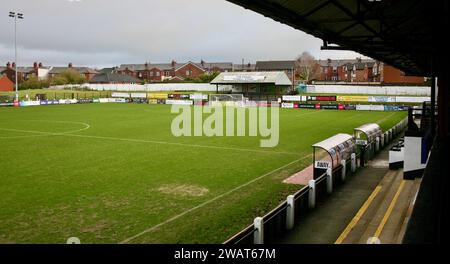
[(274, 77)]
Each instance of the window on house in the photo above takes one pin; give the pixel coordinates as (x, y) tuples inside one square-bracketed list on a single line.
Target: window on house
[(151, 74), (188, 73), (157, 73), (166, 73)]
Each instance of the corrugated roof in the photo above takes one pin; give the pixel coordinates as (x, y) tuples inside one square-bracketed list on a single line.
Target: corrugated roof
[(396, 32), (274, 77), (371, 130), (333, 141)]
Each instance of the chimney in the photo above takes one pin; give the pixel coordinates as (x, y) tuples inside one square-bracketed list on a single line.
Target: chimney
[(35, 65), (70, 64), (13, 65), (40, 65), (8, 65), (202, 62), (146, 65), (173, 63)]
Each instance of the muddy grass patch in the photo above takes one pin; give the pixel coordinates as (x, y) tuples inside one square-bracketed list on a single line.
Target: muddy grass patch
[(185, 190)]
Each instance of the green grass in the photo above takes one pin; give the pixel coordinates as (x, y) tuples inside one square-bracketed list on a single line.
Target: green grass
[(110, 180)]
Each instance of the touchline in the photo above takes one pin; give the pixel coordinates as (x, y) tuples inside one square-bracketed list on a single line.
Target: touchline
[(229, 121)]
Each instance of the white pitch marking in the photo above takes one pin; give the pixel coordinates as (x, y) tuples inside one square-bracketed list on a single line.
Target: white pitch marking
[(42, 133), (210, 201), (69, 133)]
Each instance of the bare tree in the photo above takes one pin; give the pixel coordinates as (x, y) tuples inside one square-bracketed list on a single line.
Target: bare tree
[(307, 67)]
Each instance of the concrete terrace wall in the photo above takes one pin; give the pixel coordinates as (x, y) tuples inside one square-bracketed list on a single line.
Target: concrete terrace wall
[(152, 87), (366, 89)]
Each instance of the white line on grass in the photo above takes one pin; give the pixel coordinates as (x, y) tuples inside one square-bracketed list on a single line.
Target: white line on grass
[(182, 144), (42, 133), (210, 201), (384, 118), (141, 141)]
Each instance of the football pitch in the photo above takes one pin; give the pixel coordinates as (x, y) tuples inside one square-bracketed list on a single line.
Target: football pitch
[(114, 173)]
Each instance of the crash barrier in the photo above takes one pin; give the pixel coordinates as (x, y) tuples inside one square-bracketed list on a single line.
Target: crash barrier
[(270, 227)]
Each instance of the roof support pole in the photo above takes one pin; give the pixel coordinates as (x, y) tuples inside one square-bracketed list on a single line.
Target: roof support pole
[(433, 100)]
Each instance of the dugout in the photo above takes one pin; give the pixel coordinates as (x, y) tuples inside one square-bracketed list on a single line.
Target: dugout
[(330, 152), (368, 138), (254, 85)]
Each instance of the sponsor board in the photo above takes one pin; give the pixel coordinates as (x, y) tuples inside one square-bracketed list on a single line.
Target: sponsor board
[(370, 107), (30, 103), (350, 107), (382, 99), (179, 102), (321, 98), (123, 95), (178, 96), (85, 101), (292, 98), (352, 98), (68, 101), (118, 100), (138, 95), (317, 106), (329, 107), (158, 95), (49, 102), (322, 164), (308, 106), (198, 97), (341, 107), (287, 105)]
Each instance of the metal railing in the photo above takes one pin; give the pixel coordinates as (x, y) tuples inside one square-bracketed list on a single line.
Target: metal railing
[(270, 227)]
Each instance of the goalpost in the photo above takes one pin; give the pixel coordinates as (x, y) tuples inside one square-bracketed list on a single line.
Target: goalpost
[(227, 99)]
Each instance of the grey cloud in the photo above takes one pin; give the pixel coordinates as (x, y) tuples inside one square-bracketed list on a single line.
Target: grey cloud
[(110, 32)]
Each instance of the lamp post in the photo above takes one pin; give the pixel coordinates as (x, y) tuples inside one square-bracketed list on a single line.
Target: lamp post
[(16, 16)]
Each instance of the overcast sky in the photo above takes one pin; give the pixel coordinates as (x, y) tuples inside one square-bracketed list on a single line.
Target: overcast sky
[(111, 32)]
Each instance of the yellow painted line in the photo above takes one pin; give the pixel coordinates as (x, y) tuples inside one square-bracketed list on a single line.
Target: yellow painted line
[(358, 215), (389, 210)]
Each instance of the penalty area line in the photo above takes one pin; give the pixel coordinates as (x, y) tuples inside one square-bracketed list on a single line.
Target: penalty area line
[(209, 201)]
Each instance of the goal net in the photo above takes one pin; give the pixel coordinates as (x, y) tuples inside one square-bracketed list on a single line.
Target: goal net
[(227, 99)]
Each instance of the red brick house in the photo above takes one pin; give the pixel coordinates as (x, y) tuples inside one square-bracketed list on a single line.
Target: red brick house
[(387, 74), (86, 72), (6, 85), (24, 73), (189, 70), (172, 71)]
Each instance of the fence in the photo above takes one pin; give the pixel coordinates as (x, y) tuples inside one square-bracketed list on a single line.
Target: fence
[(369, 89), (270, 227)]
